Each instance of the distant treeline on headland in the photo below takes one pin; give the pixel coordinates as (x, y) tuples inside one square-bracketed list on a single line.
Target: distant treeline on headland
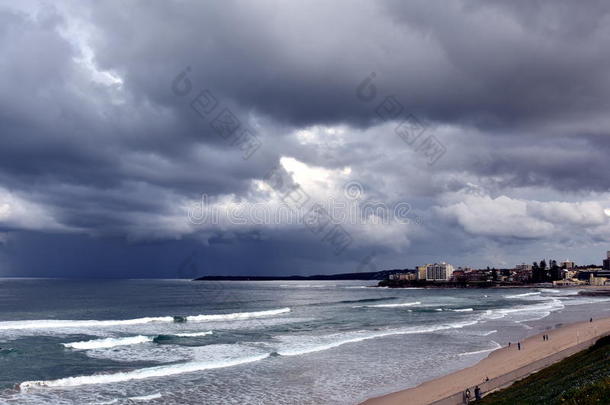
[(376, 275)]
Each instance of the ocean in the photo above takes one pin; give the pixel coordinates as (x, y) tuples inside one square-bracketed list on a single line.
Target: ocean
[(276, 342)]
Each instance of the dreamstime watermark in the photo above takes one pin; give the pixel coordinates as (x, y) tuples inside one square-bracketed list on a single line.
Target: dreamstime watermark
[(225, 123), (332, 211), (339, 212), (410, 129), (316, 218)]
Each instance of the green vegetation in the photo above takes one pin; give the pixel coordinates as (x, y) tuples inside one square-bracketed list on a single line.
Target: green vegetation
[(582, 379)]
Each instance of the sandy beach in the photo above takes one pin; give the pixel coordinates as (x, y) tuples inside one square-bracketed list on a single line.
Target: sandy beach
[(503, 366)]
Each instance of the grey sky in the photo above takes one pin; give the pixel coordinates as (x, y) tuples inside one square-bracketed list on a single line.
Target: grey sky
[(100, 161)]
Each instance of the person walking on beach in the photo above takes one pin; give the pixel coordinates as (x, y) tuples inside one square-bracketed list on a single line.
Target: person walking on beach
[(467, 396), (508, 344), (477, 393), (590, 319), (518, 345)]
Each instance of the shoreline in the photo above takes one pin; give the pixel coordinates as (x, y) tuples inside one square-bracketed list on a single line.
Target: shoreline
[(502, 366)]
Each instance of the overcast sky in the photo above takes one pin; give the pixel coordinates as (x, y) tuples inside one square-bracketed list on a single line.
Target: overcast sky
[(478, 131)]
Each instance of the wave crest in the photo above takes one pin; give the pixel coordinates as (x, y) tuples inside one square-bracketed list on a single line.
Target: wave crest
[(404, 304), (58, 324), (107, 343)]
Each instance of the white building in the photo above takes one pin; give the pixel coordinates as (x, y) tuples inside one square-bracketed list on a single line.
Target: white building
[(439, 271)]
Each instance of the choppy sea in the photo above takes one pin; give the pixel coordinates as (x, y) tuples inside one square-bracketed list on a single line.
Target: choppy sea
[(277, 342)]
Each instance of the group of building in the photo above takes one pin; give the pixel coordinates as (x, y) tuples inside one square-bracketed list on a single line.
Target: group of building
[(433, 272), (559, 273)]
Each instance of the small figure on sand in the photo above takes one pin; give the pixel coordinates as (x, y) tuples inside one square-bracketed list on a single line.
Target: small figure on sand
[(508, 344), (590, 319), (477, 393), (486, 379), (467, 396), (518, 345)]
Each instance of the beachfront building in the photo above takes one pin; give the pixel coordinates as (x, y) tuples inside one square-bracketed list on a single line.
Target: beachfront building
[(598, 281), (568, 265), (607, 261), (439, 271), (458, 276), (479, 275), (523, 267), (404, 275), (522, 276), (568, 282), (421, 271)]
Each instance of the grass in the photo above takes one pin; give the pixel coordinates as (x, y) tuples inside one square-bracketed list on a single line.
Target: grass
[(582, 379)]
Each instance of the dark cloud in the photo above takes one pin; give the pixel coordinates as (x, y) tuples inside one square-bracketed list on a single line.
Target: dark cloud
[(99, 154)]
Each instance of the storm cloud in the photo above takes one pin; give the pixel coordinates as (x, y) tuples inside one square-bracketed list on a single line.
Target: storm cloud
[(106, 151)]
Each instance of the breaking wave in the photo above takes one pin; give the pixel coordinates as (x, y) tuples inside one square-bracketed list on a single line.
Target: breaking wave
[(524, 313), (193, 334), (140, 374), (404, 304), (125, 341), (238, 315), (56, 323), (298, 345), (107, 343), (146, 397), (530, 294)]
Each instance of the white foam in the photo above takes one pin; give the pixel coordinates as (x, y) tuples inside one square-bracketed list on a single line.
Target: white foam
[(238, 315), (463, 310), (530, 294), (146, 397), (567, 292), (194, 334), (57, 324), (107, 343), (140, 374), (583, 300), (404, 304), (159, 354), (298, 345), (496, 346), (523, 313)]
